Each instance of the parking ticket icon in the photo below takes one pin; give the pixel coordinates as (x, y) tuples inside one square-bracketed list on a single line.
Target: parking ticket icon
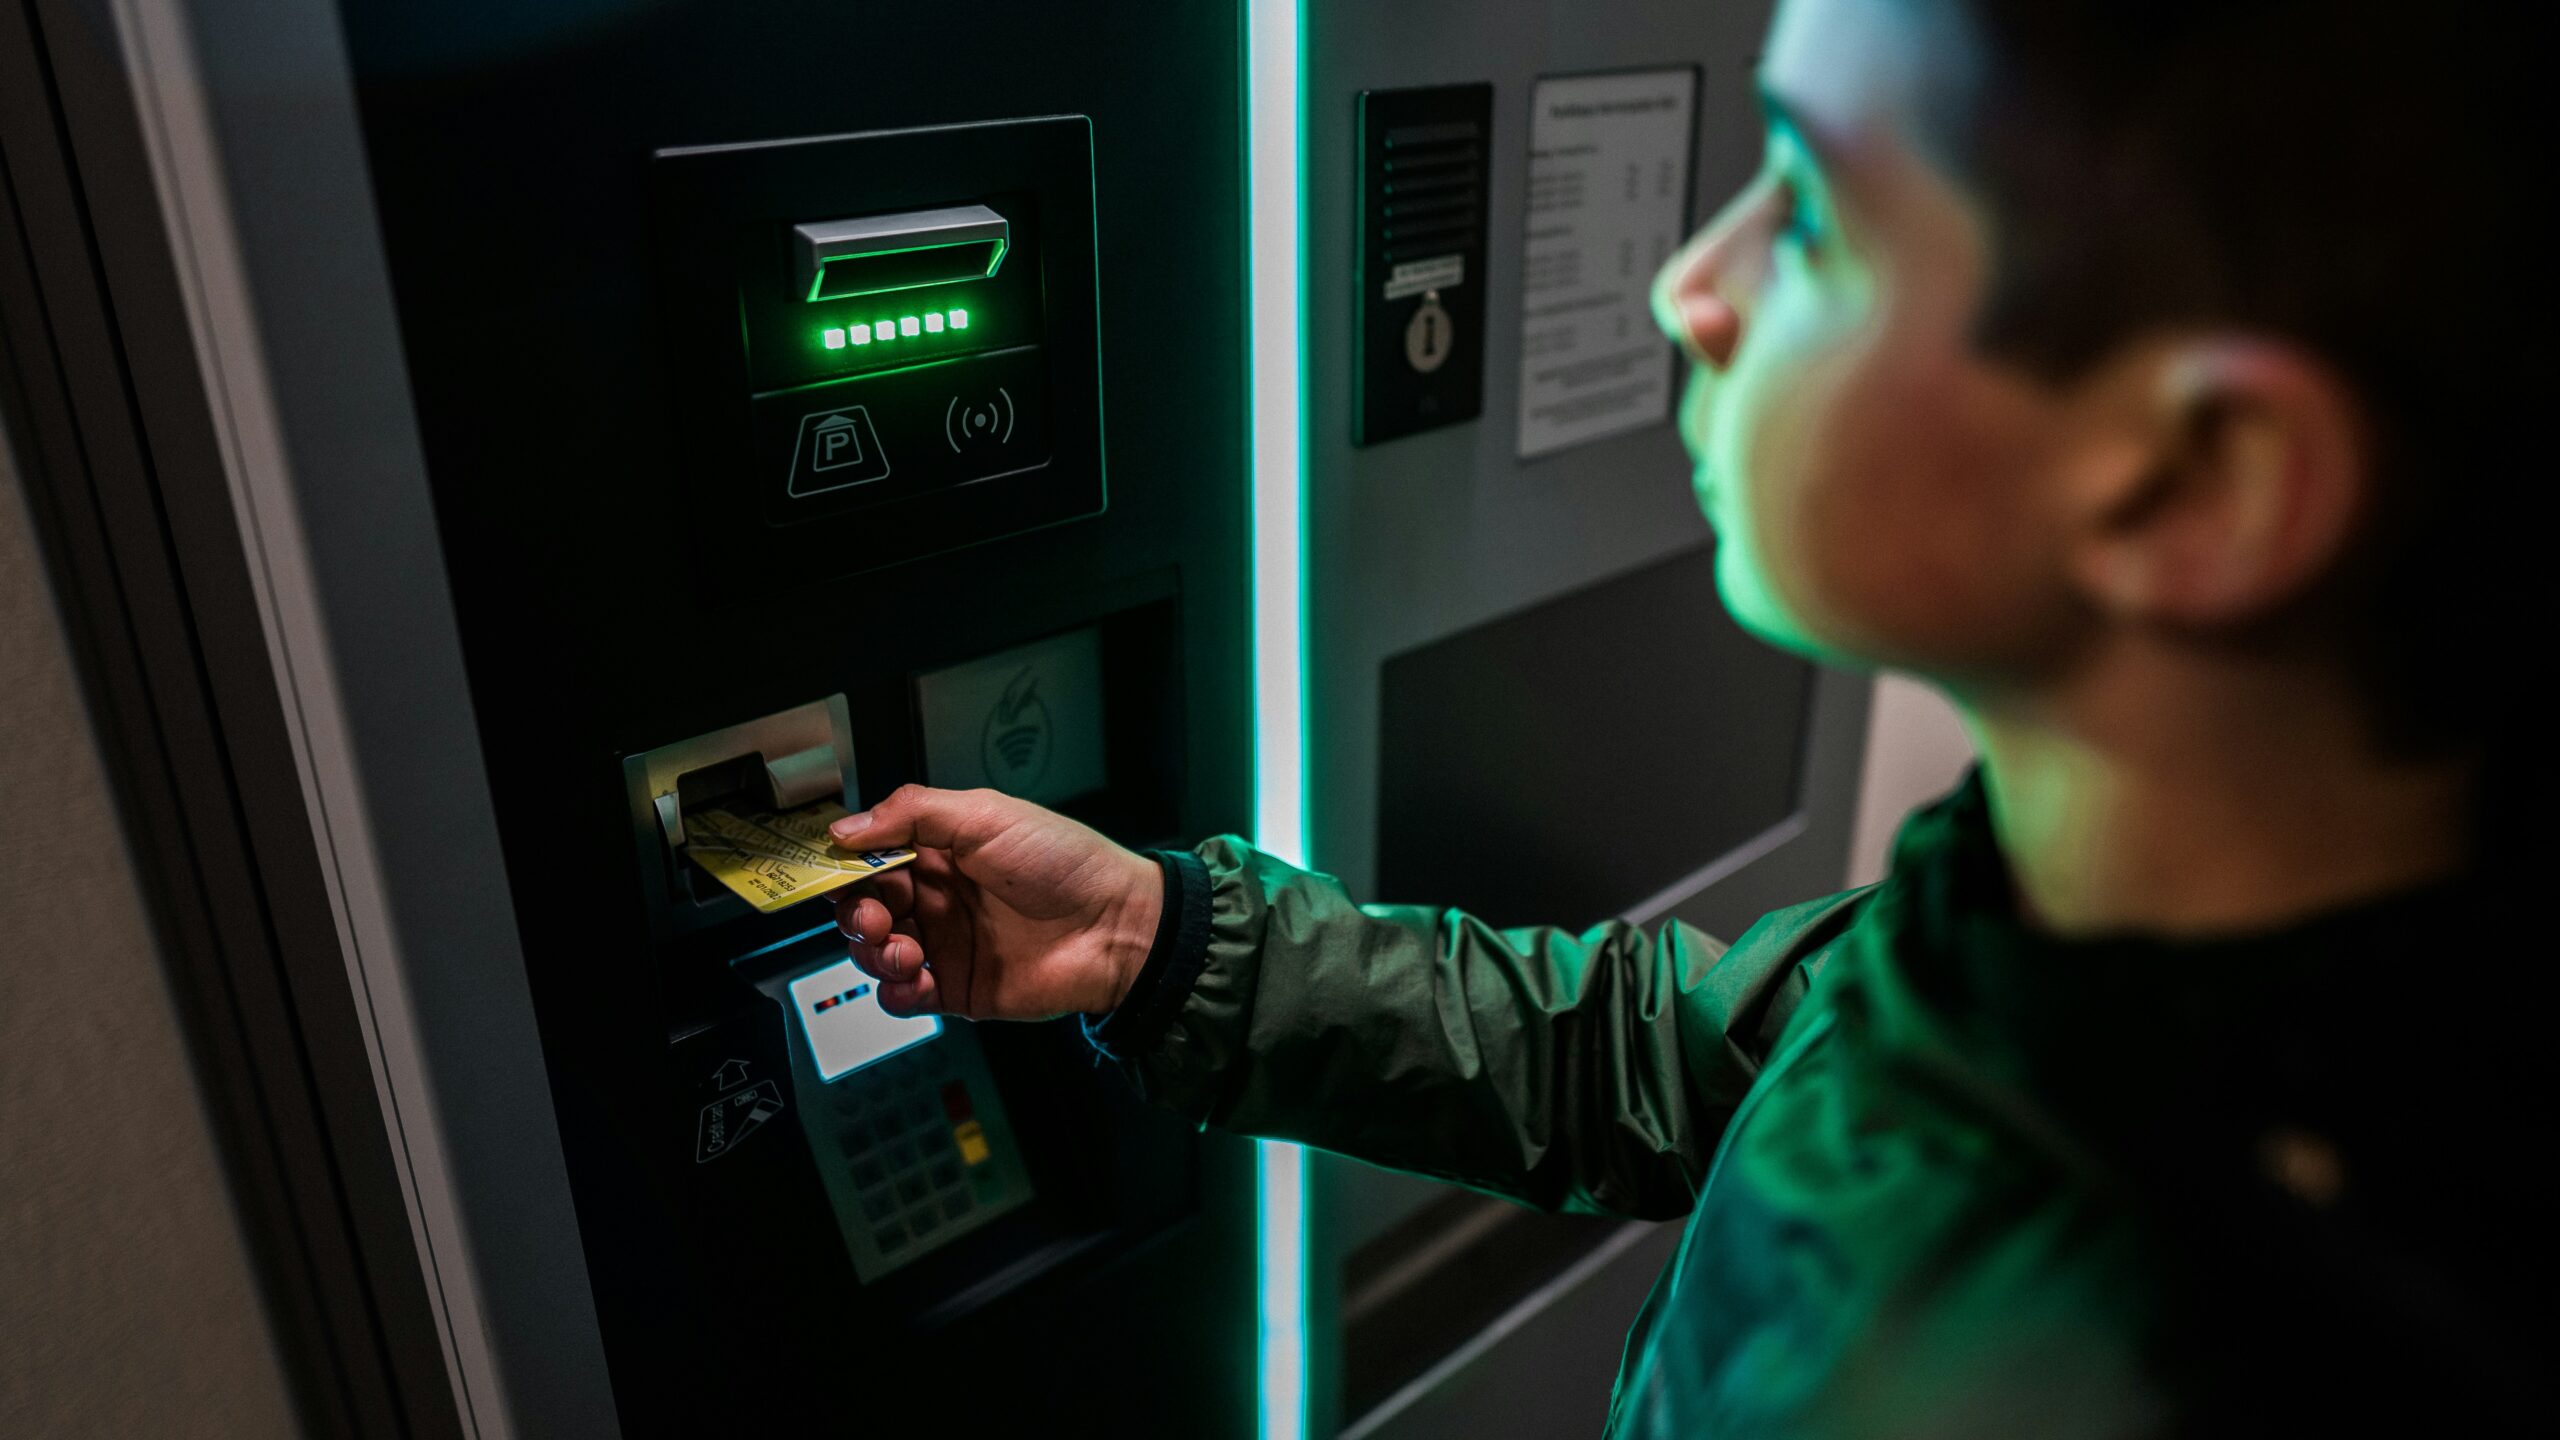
[(839, 443), (837, 448)]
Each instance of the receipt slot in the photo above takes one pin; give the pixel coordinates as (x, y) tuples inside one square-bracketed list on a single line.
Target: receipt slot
[(841, 259)]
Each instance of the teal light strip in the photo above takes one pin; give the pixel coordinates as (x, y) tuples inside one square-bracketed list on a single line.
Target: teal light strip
[(1279, 460), (1275, 260), (1281, 1248)]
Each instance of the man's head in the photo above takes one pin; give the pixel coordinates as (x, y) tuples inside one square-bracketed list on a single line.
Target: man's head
[(2050, 324)]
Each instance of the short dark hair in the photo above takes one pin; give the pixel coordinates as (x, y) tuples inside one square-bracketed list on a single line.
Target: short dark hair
[(2335, 173)]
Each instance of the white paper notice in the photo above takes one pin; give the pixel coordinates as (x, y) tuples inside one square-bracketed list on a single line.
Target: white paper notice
[(1608, 203)]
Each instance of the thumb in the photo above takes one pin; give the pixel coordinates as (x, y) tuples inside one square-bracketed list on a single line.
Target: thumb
[(917, 815)]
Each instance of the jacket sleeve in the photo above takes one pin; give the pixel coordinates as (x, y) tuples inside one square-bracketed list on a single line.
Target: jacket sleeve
[(1590, 1072)]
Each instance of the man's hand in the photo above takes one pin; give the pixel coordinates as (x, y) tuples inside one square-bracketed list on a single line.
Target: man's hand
[(1009, 912)]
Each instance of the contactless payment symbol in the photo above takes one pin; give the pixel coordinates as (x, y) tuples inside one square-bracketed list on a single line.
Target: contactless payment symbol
[(836, 448), (978, 422)]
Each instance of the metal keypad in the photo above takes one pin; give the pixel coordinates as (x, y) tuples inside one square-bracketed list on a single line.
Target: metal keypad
[(914, 1148), (909, 1136)]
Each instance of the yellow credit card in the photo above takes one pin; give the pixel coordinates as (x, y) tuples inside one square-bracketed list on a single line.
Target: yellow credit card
[(778, 859)]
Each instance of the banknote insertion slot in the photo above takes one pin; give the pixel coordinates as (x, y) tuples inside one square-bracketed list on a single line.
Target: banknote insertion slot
[(777, 762), (877, 254)]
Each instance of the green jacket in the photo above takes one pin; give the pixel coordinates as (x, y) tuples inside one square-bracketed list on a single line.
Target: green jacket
[(1941, 1178)]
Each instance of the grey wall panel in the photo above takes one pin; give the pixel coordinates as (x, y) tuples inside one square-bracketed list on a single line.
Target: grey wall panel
[(128, 1302), (1411, 540), (1543, 1369), (1414, 540)]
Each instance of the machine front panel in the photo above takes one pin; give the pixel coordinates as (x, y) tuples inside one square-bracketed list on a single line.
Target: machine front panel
[(711, 546)]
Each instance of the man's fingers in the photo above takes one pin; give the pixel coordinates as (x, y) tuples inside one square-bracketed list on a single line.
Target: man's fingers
[(886, 956), (901, 958), (918, 815), (920, 995), (880, 944), (863, 917)]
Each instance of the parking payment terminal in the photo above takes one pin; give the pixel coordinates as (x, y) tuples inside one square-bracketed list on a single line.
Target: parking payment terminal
[(861, 526), (554, 442)]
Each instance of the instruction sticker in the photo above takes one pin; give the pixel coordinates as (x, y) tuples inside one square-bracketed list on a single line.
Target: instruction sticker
[(1609, 159)]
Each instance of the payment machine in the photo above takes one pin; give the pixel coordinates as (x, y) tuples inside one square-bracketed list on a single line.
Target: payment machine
[(637, 408), (903, 538)]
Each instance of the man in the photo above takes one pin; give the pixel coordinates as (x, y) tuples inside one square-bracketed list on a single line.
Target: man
[(2125, 372)]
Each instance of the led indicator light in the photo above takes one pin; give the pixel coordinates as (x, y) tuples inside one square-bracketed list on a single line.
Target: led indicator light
[(861, 334), (834, 338), (884, 329), (907, 325), (959, 319), (933, 324)]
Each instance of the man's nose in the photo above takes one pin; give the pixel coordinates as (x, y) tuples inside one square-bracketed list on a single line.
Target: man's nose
[(1689, 302)]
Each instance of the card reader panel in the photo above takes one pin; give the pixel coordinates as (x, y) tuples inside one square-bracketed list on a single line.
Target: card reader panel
[(774, 761), (900, 1114)]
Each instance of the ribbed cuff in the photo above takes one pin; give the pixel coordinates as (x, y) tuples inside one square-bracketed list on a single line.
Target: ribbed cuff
[(1173, 965)]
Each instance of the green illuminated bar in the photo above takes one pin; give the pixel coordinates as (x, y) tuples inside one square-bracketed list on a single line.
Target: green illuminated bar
[(1275, 260)]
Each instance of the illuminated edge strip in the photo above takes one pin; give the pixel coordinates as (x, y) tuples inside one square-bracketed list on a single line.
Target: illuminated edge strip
[(1275, 257)]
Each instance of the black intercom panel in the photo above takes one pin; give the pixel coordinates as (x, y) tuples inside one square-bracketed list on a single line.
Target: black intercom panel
[(884, 345), (1425, 158)]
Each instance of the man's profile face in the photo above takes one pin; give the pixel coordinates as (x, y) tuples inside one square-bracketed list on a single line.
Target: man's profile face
[(1874, 485)]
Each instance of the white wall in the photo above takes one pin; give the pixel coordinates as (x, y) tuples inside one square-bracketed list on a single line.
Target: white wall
[(127, 1306), (1916, 751)]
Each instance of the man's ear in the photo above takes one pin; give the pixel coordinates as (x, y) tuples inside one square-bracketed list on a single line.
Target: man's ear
[(2233, 481)]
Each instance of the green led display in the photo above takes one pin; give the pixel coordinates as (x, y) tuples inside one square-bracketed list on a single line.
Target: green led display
[(863, 332)]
